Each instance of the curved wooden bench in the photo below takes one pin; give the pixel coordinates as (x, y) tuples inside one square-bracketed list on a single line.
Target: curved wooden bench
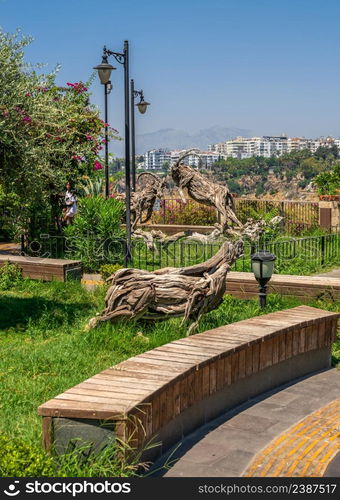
[(167, 392)]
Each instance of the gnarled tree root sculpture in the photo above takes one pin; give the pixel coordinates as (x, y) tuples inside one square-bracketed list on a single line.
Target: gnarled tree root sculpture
[(170, 292), (143, 200), (204, 191)]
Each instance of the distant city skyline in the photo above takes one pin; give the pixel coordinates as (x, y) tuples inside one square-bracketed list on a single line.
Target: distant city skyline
[(239, 147), (258, 65), (170, 139)]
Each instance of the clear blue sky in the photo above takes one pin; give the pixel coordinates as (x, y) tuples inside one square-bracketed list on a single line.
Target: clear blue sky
[(266, 65)]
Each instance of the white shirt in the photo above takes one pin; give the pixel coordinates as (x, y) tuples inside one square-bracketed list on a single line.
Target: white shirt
[(71, 202)]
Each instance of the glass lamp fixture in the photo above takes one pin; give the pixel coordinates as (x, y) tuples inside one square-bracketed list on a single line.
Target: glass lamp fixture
[(262, 264), (104, 70), (142, 106)]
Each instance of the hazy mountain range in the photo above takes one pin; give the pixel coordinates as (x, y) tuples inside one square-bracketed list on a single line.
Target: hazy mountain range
[(171, 138)]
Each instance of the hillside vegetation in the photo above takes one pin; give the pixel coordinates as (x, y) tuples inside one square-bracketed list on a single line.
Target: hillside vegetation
[(292, 175)]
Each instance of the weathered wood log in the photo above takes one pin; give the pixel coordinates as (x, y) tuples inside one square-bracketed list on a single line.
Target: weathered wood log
[(154, 237), (170, 292)]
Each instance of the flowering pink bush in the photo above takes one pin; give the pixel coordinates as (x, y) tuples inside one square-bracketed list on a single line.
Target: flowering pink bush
[(49, 133), (98, 165), (78, 87)]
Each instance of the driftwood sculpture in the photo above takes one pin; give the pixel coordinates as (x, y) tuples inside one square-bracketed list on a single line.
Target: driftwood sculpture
[(170, 292), (188, 292), (143, 200), (204, 191)]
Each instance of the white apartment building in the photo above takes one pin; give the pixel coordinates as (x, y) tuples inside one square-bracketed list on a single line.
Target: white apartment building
[(156, 158), (267, 146), (246, 147), (202, 159)]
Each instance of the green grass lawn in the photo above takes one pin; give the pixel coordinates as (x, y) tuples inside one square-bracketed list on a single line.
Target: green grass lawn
[(45, 349)]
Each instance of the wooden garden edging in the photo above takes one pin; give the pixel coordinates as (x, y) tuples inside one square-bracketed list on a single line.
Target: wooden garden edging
[(45, 269), (165, 393)]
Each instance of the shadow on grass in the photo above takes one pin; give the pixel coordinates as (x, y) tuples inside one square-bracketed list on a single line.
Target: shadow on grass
[(18, 311)]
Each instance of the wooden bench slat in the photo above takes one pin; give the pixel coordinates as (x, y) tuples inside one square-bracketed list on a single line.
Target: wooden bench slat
[(142, 367), (121, 370), (108, 392), (176, 355), (180, 350), (82, 409), (117, 383), (151, 358), (142, 375), (110, 402), (228, 339), (199, 348), (181, 360)]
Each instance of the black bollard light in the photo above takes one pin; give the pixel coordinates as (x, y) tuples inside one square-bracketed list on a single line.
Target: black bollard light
[(262, 264)]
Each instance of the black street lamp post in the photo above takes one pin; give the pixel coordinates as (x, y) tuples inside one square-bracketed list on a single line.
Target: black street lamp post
[(263, 266), (107, 90), (104, 72), (142, 106)]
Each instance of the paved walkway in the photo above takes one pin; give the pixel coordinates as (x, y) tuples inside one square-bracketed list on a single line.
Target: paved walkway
[(91, 281), (227, 446), (304, 450)]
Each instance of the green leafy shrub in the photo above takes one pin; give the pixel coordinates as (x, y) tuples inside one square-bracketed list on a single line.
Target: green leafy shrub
[(95, 237), (108, 269), (49, 134), (10, 276), (190, 213), (329, 182), (20, 459)]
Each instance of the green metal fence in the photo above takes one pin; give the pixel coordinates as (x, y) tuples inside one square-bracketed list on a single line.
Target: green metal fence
[(293, 255)]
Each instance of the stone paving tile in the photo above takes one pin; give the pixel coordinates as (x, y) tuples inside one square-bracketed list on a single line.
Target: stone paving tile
[(333, 469), (233, 463), (187, 470), (230, 442), (276, 411), (234, 439), (206, 452), (246, 421), (283, 398)]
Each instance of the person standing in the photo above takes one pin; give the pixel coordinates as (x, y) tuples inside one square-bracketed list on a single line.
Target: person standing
[(71, 204)]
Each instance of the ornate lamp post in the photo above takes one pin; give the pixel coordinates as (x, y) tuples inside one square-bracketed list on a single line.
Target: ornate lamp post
[(104, 72), (142, 106), (263, 266)]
